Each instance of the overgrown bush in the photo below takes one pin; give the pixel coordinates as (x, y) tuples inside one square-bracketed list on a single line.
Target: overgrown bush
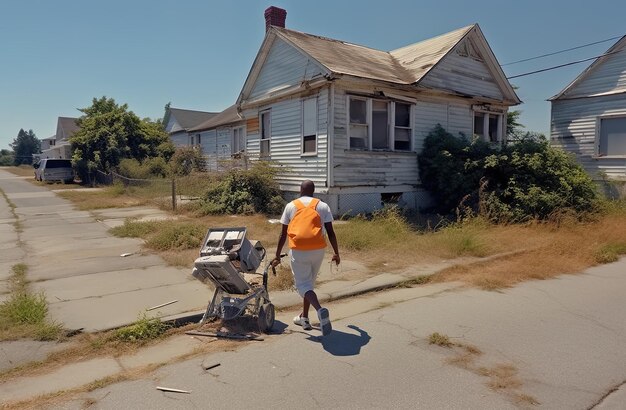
[(245, 192), (155, 167), (524, 180), (187, 159)]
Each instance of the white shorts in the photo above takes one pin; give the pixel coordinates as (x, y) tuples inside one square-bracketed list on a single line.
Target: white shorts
[(305, 265)]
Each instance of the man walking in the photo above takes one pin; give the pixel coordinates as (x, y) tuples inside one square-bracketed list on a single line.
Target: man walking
[(304, 221)]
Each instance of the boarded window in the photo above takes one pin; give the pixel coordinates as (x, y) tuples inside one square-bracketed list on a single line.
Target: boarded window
[(265, 123), (380, 125), (612, 136), (309, 126), (402, 127)]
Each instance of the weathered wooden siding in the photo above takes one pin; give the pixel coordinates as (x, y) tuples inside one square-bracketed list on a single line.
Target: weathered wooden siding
[(609, 76), (574, 127), (286, 141), (464, 75), (284, 67), (180, 139), (369, 168)]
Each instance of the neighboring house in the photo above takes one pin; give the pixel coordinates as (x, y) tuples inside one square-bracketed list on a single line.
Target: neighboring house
[(46, 144), (589, 115), (222, 137), (60, 146), (352, 118), (178, 122)]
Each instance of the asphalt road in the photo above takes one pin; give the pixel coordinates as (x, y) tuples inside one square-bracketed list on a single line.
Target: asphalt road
[(560, 343)]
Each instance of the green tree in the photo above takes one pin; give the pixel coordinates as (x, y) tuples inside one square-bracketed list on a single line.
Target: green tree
[(109, 132), (24, 146), (513, 126), (6, 158)]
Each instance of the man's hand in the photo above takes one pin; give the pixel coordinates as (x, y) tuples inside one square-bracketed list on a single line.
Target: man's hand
[(275, 262), (336, 259)]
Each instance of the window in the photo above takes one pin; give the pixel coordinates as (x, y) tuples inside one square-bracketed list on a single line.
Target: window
[(402, 127), (379, 124), (265, 123), (488, 126), (612, 136), (359, 129), (239, 140), (309, 126), (198, 139)]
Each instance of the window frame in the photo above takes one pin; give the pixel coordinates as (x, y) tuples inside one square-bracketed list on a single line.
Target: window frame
[(391, 124), (598, 139), (304, 153), (500, 126), (243, 136), (268, 134)]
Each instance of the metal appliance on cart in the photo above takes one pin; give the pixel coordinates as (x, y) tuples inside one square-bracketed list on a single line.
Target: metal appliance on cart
[(225, 258)]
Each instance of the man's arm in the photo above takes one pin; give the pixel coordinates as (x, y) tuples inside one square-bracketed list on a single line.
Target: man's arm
[(281, 243), (332, 238)]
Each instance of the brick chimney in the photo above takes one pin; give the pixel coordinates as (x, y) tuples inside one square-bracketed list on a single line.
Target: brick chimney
[(275, 16)]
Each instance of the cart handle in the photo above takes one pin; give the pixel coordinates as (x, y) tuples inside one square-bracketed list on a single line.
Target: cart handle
[(273, 267)]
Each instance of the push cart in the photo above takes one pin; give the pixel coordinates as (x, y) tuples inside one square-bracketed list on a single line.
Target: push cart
[(227, 257)]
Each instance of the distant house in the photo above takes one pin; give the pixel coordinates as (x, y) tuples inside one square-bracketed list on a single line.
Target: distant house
[(353, 119), (59, 146), (589, 115), (178, 122), (221, 137)]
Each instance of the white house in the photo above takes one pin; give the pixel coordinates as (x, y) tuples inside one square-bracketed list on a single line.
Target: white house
[(353, 119), (59, 146), (222, 137), (589, 115), (178, 122)]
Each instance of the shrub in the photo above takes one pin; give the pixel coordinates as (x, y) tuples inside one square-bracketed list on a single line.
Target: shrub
[(525, 180), (187, 159), (245, 192), (155, 167)]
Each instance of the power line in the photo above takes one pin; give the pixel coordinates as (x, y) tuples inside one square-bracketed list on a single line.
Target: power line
[(563, 65), (562, 51)]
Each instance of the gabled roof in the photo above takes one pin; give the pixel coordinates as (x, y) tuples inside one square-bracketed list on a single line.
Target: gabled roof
[(226, 117), (619, 46), (407, 65), (188, 119), (68, 125)]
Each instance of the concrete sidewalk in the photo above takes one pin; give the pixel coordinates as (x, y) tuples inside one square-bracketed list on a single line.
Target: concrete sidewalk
[(73, 259)]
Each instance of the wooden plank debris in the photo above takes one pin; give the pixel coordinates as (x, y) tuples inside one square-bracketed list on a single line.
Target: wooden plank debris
[(161, 305), (169, 389), (211, 366)]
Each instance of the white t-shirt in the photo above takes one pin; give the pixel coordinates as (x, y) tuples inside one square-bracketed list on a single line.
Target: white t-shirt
[(322, 209)]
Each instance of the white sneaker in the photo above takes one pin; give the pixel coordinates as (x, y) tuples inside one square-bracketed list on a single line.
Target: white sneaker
[(302, 321), (324, 318)]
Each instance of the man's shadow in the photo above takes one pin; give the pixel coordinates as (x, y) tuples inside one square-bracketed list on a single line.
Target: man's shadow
[(340, 343)]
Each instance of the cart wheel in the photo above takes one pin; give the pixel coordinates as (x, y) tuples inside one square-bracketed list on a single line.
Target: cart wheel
[(266, 317)]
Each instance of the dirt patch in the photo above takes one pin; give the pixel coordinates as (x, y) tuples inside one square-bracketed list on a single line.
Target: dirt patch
[(502, 377)]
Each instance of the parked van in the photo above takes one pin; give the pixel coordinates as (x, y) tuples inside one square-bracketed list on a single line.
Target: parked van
[(52, 169)]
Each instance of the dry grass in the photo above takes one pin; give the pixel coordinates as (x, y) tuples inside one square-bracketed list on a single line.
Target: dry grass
[(552, 251), (283, 279), (109, 197), (22, 171)]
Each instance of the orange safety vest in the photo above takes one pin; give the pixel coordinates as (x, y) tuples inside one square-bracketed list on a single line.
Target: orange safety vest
[(305, 230)]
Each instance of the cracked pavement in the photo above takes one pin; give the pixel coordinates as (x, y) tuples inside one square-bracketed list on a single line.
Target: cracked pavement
[(564, 341)]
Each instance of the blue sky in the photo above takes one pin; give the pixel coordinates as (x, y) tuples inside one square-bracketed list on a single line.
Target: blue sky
[(55, 56)]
